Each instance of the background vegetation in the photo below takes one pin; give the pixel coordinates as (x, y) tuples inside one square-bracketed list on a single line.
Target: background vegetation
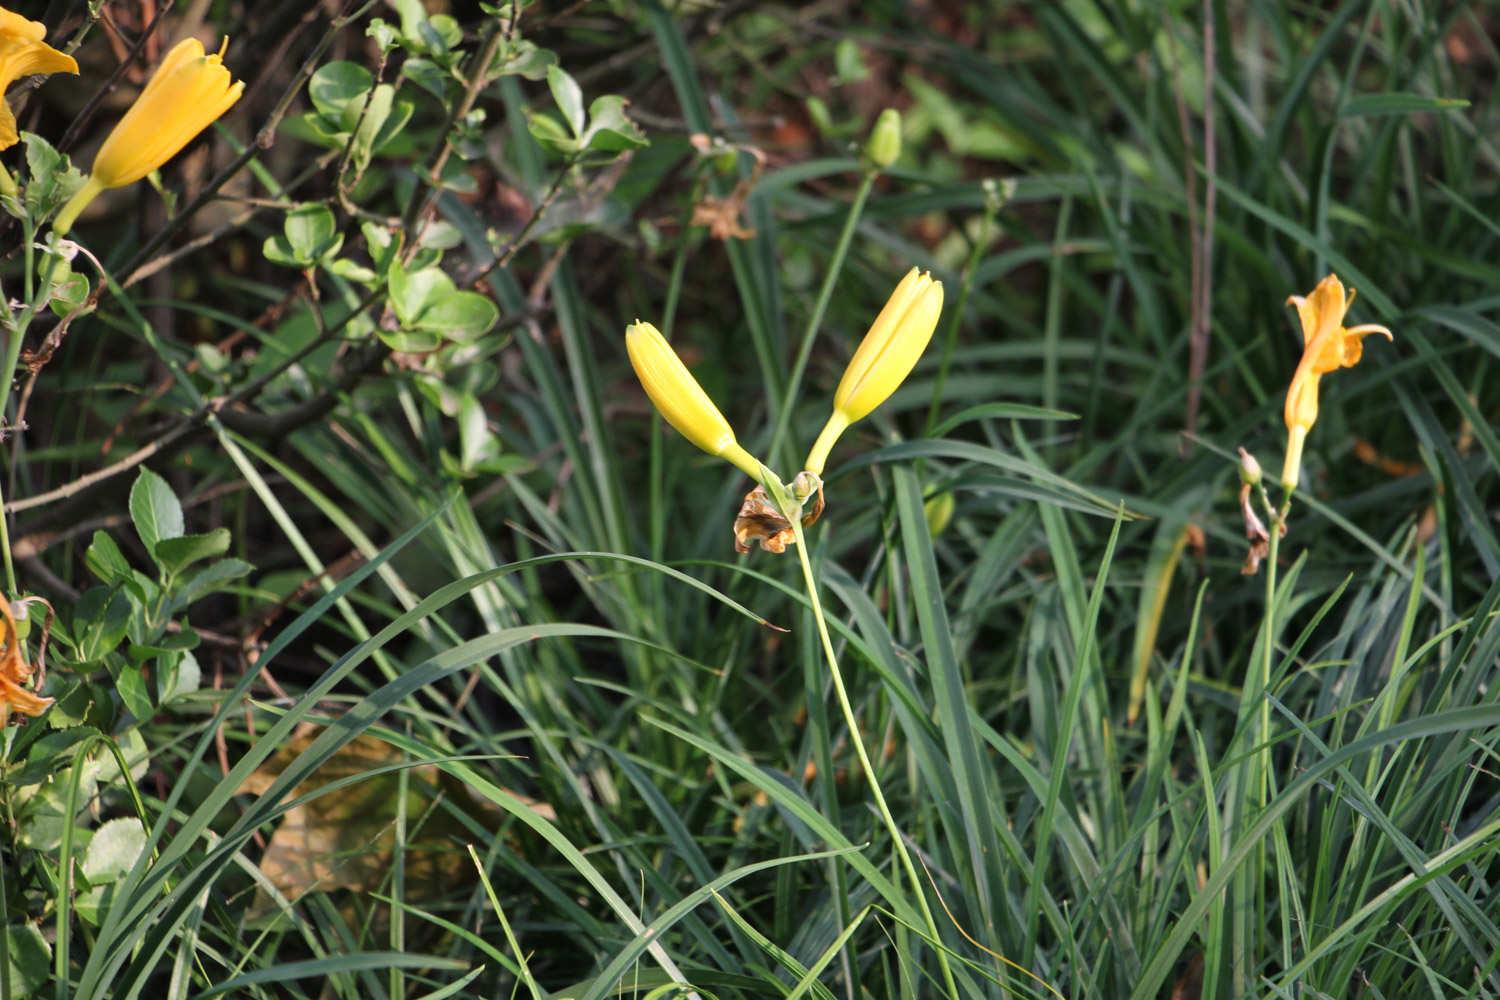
[(455, 686)]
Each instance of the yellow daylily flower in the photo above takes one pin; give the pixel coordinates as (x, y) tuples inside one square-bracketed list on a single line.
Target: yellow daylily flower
[(23, 53), (1327, 346), (186, 94), (680, 399), (884, 358)]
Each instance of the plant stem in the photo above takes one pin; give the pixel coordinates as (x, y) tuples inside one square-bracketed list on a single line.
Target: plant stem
[(864, 758), (825, 295), (1268, 642)]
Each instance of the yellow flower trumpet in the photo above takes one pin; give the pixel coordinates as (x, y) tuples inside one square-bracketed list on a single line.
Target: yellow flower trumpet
[(681, 400), (186, 94), (884, 358), (1327, 346), (23, 53)]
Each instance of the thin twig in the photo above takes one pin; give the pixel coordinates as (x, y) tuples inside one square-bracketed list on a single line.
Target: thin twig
[(70, 135)]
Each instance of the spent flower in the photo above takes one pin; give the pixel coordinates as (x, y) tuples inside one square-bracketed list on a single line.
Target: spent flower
[(1327, 346), (15, 671)]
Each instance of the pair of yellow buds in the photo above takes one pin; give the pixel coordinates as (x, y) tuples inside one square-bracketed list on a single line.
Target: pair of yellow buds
[(882, 362), (186, 94)]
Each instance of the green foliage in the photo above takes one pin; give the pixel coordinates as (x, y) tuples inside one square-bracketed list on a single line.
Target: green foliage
[(408, 499)]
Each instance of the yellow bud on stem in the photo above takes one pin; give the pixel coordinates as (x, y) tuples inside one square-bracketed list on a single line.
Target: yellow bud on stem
[(186, 94), (681, 400), (884, 358)]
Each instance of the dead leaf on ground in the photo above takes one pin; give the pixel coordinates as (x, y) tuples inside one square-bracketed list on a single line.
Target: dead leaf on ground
[(345, 839)]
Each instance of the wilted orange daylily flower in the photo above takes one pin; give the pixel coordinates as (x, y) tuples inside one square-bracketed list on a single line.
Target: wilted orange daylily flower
[(1327, 345), (15, 671), (23, 53)]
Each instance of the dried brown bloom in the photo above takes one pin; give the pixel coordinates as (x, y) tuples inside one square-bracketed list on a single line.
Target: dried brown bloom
[(1255, 533), (760, 521)]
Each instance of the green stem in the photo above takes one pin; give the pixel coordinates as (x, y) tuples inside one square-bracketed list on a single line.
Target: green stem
[(1268, 643), (825, 295), (864, 758), (1250, 880), (38, 296)]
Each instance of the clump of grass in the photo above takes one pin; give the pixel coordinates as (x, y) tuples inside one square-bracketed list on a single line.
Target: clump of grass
[(1118, 767)]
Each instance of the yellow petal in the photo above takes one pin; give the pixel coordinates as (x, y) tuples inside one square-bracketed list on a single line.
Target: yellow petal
[(8, 134), (1302, 398), (14, 27), (1323, 309), (1352, 341), (23, 53), (186, 94)]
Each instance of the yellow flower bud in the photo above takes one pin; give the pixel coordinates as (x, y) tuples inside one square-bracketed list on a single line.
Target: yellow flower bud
[(885, 357), (680, 399), (186, 94), (884, 145)]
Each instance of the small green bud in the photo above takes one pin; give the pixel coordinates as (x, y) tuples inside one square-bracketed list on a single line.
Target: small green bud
[(938, 510), (884, 145), (1249, 469)]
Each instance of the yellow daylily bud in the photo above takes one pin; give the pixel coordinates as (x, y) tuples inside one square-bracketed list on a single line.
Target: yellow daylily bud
[(884, 358), (23, 53), (680, 399), (884, 145), (186, 94), (1327, 346)]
